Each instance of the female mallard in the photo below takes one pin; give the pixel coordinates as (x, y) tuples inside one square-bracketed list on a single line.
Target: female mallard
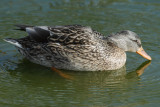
[(76, 47)]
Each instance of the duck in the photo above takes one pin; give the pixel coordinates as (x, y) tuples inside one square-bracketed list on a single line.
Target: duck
[(76, 47)]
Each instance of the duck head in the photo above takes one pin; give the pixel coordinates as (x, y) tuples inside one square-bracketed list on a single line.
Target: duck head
[(129, 41)]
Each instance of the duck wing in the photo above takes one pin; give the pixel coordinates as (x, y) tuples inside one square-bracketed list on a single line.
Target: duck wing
[(71, 34), (36, 33), (64, 35)]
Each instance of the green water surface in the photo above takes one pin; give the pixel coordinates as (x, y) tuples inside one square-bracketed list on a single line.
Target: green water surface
[(25, 84)]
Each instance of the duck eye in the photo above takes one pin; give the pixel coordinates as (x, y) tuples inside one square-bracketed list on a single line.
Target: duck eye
[(139, 44), (135, 40)]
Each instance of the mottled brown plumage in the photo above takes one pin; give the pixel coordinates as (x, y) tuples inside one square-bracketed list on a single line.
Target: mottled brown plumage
[(74, 47)]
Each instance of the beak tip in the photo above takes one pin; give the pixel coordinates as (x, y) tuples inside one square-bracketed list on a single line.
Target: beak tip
[(143, 53), (150, 58)]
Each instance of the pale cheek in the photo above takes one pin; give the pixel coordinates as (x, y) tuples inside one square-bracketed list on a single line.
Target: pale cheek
[(132, 47)]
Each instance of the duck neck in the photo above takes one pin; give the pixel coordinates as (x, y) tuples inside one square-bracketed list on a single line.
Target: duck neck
[(118, 42)]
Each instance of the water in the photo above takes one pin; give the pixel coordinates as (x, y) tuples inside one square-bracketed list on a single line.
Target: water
[(26, 84)]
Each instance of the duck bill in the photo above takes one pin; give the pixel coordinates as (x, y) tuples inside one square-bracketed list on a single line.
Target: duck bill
[(143, 53)]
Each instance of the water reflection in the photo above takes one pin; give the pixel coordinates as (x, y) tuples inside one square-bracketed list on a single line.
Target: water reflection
[(27, 68), (120, 72), (142, 67)]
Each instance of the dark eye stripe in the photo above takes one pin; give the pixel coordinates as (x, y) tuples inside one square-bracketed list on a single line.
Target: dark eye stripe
[(137, 42)]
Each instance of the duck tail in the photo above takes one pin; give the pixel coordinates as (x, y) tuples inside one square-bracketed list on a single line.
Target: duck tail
[(13, 42), (22, 27)]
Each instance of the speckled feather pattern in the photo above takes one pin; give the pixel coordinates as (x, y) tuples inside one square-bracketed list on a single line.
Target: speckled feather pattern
[(73, 47)]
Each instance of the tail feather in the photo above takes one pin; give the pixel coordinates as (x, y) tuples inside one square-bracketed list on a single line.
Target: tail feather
[(22, 27), (13, 42)]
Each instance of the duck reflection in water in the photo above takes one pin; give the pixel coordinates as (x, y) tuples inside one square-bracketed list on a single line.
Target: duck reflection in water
[(31, 69), (114, 73)]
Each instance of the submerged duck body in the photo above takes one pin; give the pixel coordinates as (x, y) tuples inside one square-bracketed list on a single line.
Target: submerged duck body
[(76, 47)]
